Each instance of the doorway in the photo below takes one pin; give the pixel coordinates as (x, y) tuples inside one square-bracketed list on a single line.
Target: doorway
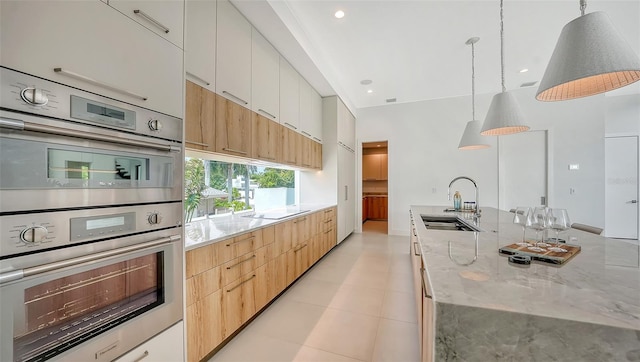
[(621, 187), (375, 187)]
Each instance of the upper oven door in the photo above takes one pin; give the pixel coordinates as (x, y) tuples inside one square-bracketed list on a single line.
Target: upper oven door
[(52, 164)]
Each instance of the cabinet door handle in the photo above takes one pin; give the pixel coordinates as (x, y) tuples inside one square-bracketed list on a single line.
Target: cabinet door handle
[(197, 143), (235, 151), (240, 262), (415, 249), (290, 125), (239, 241), (424, 285), (98, 83), (346, 192), (202, 80), (317, 139), (234, 96), (266, 158), (267, 113), (144, 355), (306, 134), (295, 222), (151, 20), (300, 248), (244, 281), (330, 230)]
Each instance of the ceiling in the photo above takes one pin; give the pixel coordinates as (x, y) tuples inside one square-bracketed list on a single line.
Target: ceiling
[(415, 50)]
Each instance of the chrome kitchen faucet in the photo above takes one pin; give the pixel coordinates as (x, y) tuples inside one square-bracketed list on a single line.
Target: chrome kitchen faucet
[(477, 210)]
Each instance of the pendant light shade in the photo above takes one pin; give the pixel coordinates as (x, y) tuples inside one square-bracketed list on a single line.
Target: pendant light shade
[(591, 57), (471, 138), (504, 116)]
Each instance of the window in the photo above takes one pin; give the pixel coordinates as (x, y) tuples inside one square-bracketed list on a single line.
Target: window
[(216, 187)]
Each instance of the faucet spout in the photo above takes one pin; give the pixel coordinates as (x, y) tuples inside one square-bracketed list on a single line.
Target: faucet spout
[(475, 185)]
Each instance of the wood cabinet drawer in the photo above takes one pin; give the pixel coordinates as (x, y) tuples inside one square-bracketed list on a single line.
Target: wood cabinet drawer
[(239, 245), (237, 267), (201, 259), (201, 285)]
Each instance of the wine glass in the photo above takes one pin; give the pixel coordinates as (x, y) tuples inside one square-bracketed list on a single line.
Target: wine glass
[(559, 221), (538, 220), (520, 218)]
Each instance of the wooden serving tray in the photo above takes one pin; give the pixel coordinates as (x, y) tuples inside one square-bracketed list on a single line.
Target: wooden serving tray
[(546, 256)]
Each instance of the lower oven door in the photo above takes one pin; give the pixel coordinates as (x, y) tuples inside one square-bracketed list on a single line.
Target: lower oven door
[(92, 308)]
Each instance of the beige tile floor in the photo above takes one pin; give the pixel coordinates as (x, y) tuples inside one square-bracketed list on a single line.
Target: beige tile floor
[(356, 304)]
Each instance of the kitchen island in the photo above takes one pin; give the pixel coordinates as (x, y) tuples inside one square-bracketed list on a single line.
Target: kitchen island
[(484, 308)]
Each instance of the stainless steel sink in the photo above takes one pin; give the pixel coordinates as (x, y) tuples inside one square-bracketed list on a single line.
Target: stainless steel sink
[(452, 223)]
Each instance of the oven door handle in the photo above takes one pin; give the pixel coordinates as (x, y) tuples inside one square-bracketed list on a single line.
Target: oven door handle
[(27, 272), (17, 124)]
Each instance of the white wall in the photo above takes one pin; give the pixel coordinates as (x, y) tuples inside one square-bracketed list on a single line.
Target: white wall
[(423, 154)]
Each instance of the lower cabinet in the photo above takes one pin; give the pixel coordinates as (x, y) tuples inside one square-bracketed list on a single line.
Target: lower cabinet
[(424, 300), (166, 346), (228, 282), (377, 208)]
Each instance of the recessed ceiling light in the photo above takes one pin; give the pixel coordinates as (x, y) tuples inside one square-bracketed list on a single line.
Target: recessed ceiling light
[(524, 70), (369, 90), (339, 14), (366, 81)]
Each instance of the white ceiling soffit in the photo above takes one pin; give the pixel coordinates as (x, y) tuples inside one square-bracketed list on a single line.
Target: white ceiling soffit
[(415, 50)]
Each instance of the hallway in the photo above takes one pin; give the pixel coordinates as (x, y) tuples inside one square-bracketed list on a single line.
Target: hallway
[(356, 304)]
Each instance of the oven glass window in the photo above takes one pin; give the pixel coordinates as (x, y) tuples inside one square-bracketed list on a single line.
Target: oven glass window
[(65, 312), (76, 165)]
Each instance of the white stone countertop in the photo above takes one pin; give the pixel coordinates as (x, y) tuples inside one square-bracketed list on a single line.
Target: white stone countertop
[(599, 285), (219, 227)]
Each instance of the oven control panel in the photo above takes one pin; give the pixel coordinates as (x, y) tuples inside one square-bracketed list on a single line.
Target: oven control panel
[(42, 231)]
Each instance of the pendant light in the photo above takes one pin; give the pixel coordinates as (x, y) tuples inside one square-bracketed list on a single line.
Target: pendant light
[(591, 57), (471, 138), (504, 116)]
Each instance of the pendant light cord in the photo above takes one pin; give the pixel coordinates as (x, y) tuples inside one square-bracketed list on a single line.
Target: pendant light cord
[(583, 6), (473, 84), (504, 89)]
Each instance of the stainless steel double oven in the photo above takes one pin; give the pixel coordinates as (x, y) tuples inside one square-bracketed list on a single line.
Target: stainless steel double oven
[(90, 222)]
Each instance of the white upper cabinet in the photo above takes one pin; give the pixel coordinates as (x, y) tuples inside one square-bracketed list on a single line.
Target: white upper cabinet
[(289, 93), (94, 48), (346, 127), (265, 77), (233, 55), (200, 42), (316, 116), (305, 107), (164, 18)]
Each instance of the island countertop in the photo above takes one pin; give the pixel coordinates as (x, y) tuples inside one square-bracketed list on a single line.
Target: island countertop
[(599, 285)]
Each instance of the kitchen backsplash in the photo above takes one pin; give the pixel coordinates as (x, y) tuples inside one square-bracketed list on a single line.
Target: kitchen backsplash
[(375, 186)]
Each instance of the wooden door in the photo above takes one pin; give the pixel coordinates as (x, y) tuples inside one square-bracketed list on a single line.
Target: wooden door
[(238, 303), (306, 147), (317, 155), (199, 118), (266, 138), (233, 128)]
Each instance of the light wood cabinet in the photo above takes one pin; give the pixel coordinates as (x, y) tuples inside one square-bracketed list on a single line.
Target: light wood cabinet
[(365, 209), (205, 329), (289, 96), (374, 167), (200, 42), (164, 18), (199, 118), (316, 160), (229, 281), (233, 55), (291, 145), (265, 77), (424, 301), (233, 128), (266, 138), (100, 44), (306, 147)]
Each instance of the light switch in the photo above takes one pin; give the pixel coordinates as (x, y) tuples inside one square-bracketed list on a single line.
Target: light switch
[(574, 166)]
